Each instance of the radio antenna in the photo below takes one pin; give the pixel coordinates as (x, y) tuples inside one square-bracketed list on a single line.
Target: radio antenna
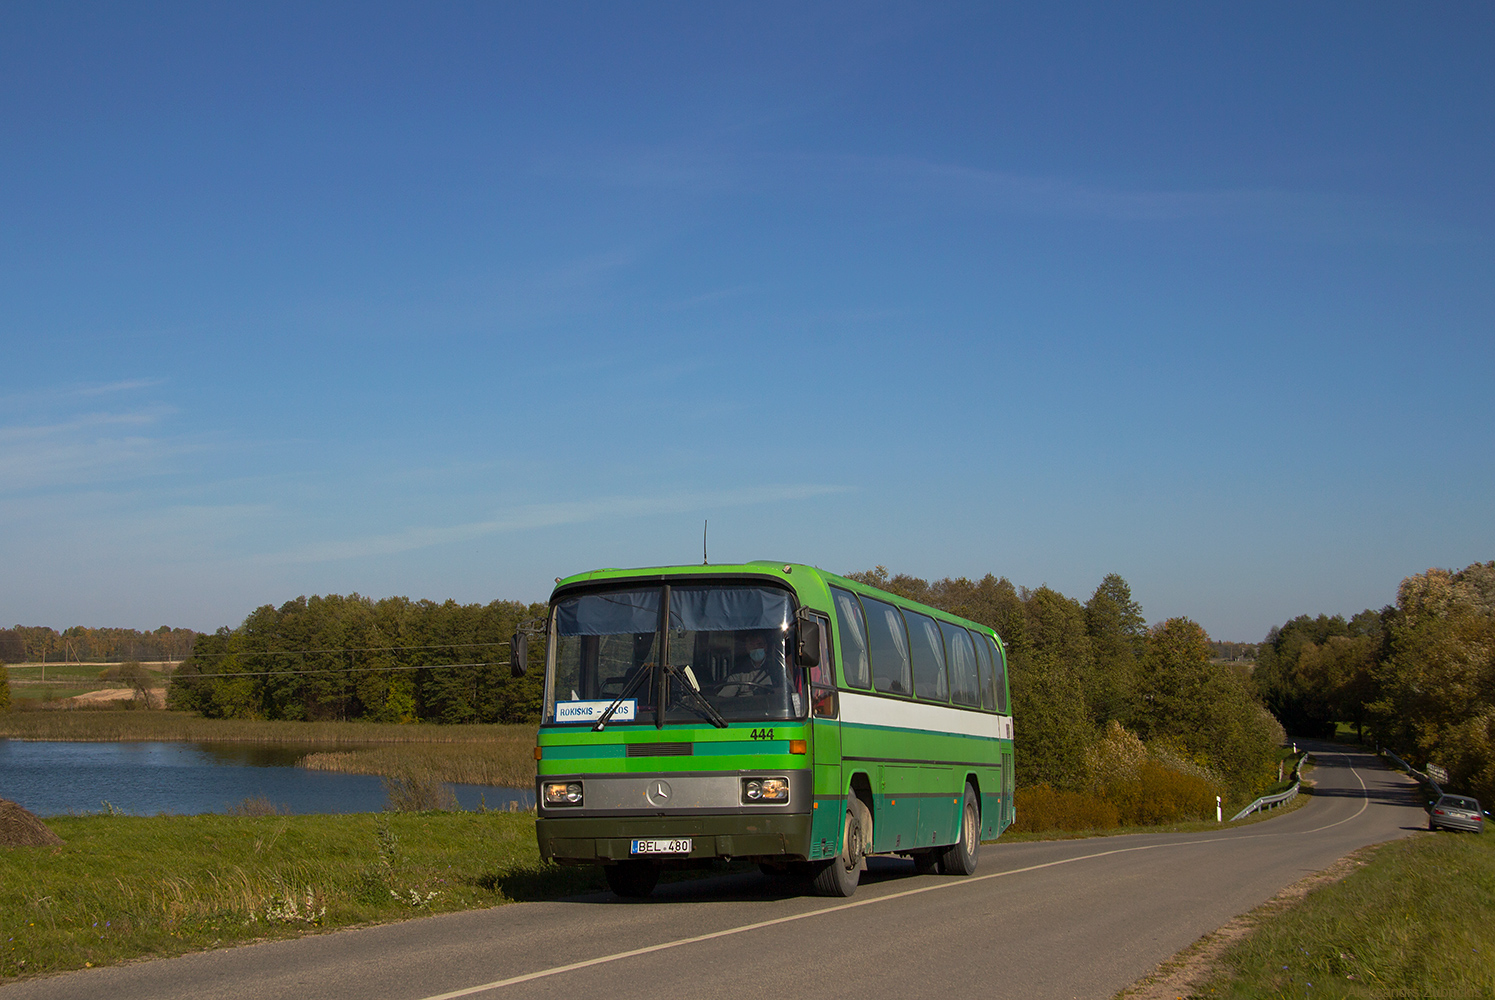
[(704, 525)]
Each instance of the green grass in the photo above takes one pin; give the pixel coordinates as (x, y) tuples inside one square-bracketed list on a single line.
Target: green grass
[(1415, 920), (50, 692), (35, 673), (125, 886)]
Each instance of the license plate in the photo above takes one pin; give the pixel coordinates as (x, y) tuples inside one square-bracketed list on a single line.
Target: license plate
[(680, 846)]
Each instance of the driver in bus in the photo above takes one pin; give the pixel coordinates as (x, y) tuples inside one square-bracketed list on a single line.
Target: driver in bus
[(752, 674)]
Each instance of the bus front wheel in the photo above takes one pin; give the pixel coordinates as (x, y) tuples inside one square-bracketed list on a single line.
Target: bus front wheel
[(960, 857), (839, 877), (632, 879)]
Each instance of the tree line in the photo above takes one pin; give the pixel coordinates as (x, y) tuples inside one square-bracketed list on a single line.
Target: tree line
[(1417, 676), (80, 644), (391, 660), (1080, 671)]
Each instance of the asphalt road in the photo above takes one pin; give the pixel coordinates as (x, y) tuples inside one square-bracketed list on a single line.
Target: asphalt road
[(1060, 920)]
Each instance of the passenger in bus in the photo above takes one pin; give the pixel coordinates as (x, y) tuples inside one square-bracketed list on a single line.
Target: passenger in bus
[(752, 674)]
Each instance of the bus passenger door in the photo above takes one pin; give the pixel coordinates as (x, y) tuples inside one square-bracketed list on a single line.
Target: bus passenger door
[(825, 734)]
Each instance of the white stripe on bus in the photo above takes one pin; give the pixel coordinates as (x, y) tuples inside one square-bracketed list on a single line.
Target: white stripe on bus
[(892, 713)]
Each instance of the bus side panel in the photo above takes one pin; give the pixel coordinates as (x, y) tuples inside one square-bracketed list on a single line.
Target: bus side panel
[(830, 807), (895, 823), (939, 807)]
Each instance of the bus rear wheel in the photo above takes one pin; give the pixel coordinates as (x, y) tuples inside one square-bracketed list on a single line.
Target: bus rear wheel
[(840, 876), (960, 857), (632, 879)]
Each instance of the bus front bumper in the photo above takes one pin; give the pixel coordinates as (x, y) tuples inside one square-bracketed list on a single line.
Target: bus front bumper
[(602, 840)]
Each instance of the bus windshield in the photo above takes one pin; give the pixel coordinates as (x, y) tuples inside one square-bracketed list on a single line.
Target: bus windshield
[(728, 644)]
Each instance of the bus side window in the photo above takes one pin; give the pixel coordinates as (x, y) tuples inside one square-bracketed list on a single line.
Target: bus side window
[(823, 672), (887, 642), (965, 685), (983, 660), (823, 700), (928, 651), (999, 677), (853, 640)]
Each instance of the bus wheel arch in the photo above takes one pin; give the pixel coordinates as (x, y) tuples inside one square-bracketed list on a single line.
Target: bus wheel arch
[(973, 782), (860, 790), (960, 857)]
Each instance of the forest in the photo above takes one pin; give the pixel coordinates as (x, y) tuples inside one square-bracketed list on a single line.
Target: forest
[(80, 644), (1099, 695), (390, 660), (1094, 689), (1417, 676)]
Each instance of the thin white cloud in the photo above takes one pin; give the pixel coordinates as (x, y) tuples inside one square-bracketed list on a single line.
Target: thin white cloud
[(1308, 214), (545, 516), (67, 395), (85, 448), (128, 385)]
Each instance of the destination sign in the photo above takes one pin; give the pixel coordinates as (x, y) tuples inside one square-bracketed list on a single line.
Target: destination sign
[(591, 711)]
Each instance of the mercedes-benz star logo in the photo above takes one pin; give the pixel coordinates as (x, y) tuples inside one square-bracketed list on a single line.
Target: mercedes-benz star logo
[(658, 793)]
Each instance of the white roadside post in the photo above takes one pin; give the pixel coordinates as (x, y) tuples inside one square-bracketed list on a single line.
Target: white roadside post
[(1219, 816)]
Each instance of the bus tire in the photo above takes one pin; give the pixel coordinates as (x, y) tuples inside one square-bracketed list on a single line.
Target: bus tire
[(839, 877), (960, 857), (632, 879), (925, 862)]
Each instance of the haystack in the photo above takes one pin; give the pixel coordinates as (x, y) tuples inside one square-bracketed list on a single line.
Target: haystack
[(19, 827)]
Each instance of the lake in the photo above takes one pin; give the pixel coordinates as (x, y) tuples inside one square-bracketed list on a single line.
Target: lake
[(143, 779)]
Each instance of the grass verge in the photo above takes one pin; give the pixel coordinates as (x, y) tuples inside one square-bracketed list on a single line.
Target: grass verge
[(1412, 922), (1195, 826), (124, 887)]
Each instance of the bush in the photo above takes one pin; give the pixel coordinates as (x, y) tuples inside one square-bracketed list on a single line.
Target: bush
[(4, 689), (418, 791), (1042, 808), (1159, 794)]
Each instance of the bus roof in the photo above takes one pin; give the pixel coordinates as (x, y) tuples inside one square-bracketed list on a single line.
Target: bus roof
[(810, 583)]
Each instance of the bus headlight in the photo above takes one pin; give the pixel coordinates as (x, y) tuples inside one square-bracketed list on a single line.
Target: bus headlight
[(765, 790), (563, 793)]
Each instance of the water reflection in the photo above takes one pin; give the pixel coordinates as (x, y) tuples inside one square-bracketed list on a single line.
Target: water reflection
[(57, 778)]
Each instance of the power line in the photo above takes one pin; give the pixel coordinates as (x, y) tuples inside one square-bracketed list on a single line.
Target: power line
[(348, 649), (302, 673)]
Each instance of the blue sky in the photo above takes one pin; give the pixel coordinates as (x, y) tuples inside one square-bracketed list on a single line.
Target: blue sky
[(447, 300)]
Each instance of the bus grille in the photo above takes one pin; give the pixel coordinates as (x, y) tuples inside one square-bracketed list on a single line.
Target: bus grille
[(661, 749)]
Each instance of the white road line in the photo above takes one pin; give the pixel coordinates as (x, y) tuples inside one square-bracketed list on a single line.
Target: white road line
[(745, 928)]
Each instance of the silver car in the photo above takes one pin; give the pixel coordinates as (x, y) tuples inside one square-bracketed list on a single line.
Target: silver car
[(1456, 812)]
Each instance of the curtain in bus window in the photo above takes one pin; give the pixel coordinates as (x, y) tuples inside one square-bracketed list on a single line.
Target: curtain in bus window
[(983, 659), (728, 609), (964, 684), (609, 614), (853, 639), (888, 645), (929, 658)]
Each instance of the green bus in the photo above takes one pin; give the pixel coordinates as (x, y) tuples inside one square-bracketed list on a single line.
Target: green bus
[(767, 712)]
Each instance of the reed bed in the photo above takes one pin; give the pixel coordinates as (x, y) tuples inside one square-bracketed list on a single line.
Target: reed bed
[(87, 725), (505, 761)]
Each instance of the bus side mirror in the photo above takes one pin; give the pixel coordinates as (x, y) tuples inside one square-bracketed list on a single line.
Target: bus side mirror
[(809, 643), (518, 654)]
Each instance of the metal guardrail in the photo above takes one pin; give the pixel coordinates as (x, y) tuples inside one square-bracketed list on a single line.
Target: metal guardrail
[(1270, 801), (1419, 775)]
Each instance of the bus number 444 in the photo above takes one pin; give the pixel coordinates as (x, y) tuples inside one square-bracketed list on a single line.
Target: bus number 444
[(761, 734)]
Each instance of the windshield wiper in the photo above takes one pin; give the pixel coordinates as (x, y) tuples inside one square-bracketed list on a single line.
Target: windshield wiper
[(687, 685), (645, 671)]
